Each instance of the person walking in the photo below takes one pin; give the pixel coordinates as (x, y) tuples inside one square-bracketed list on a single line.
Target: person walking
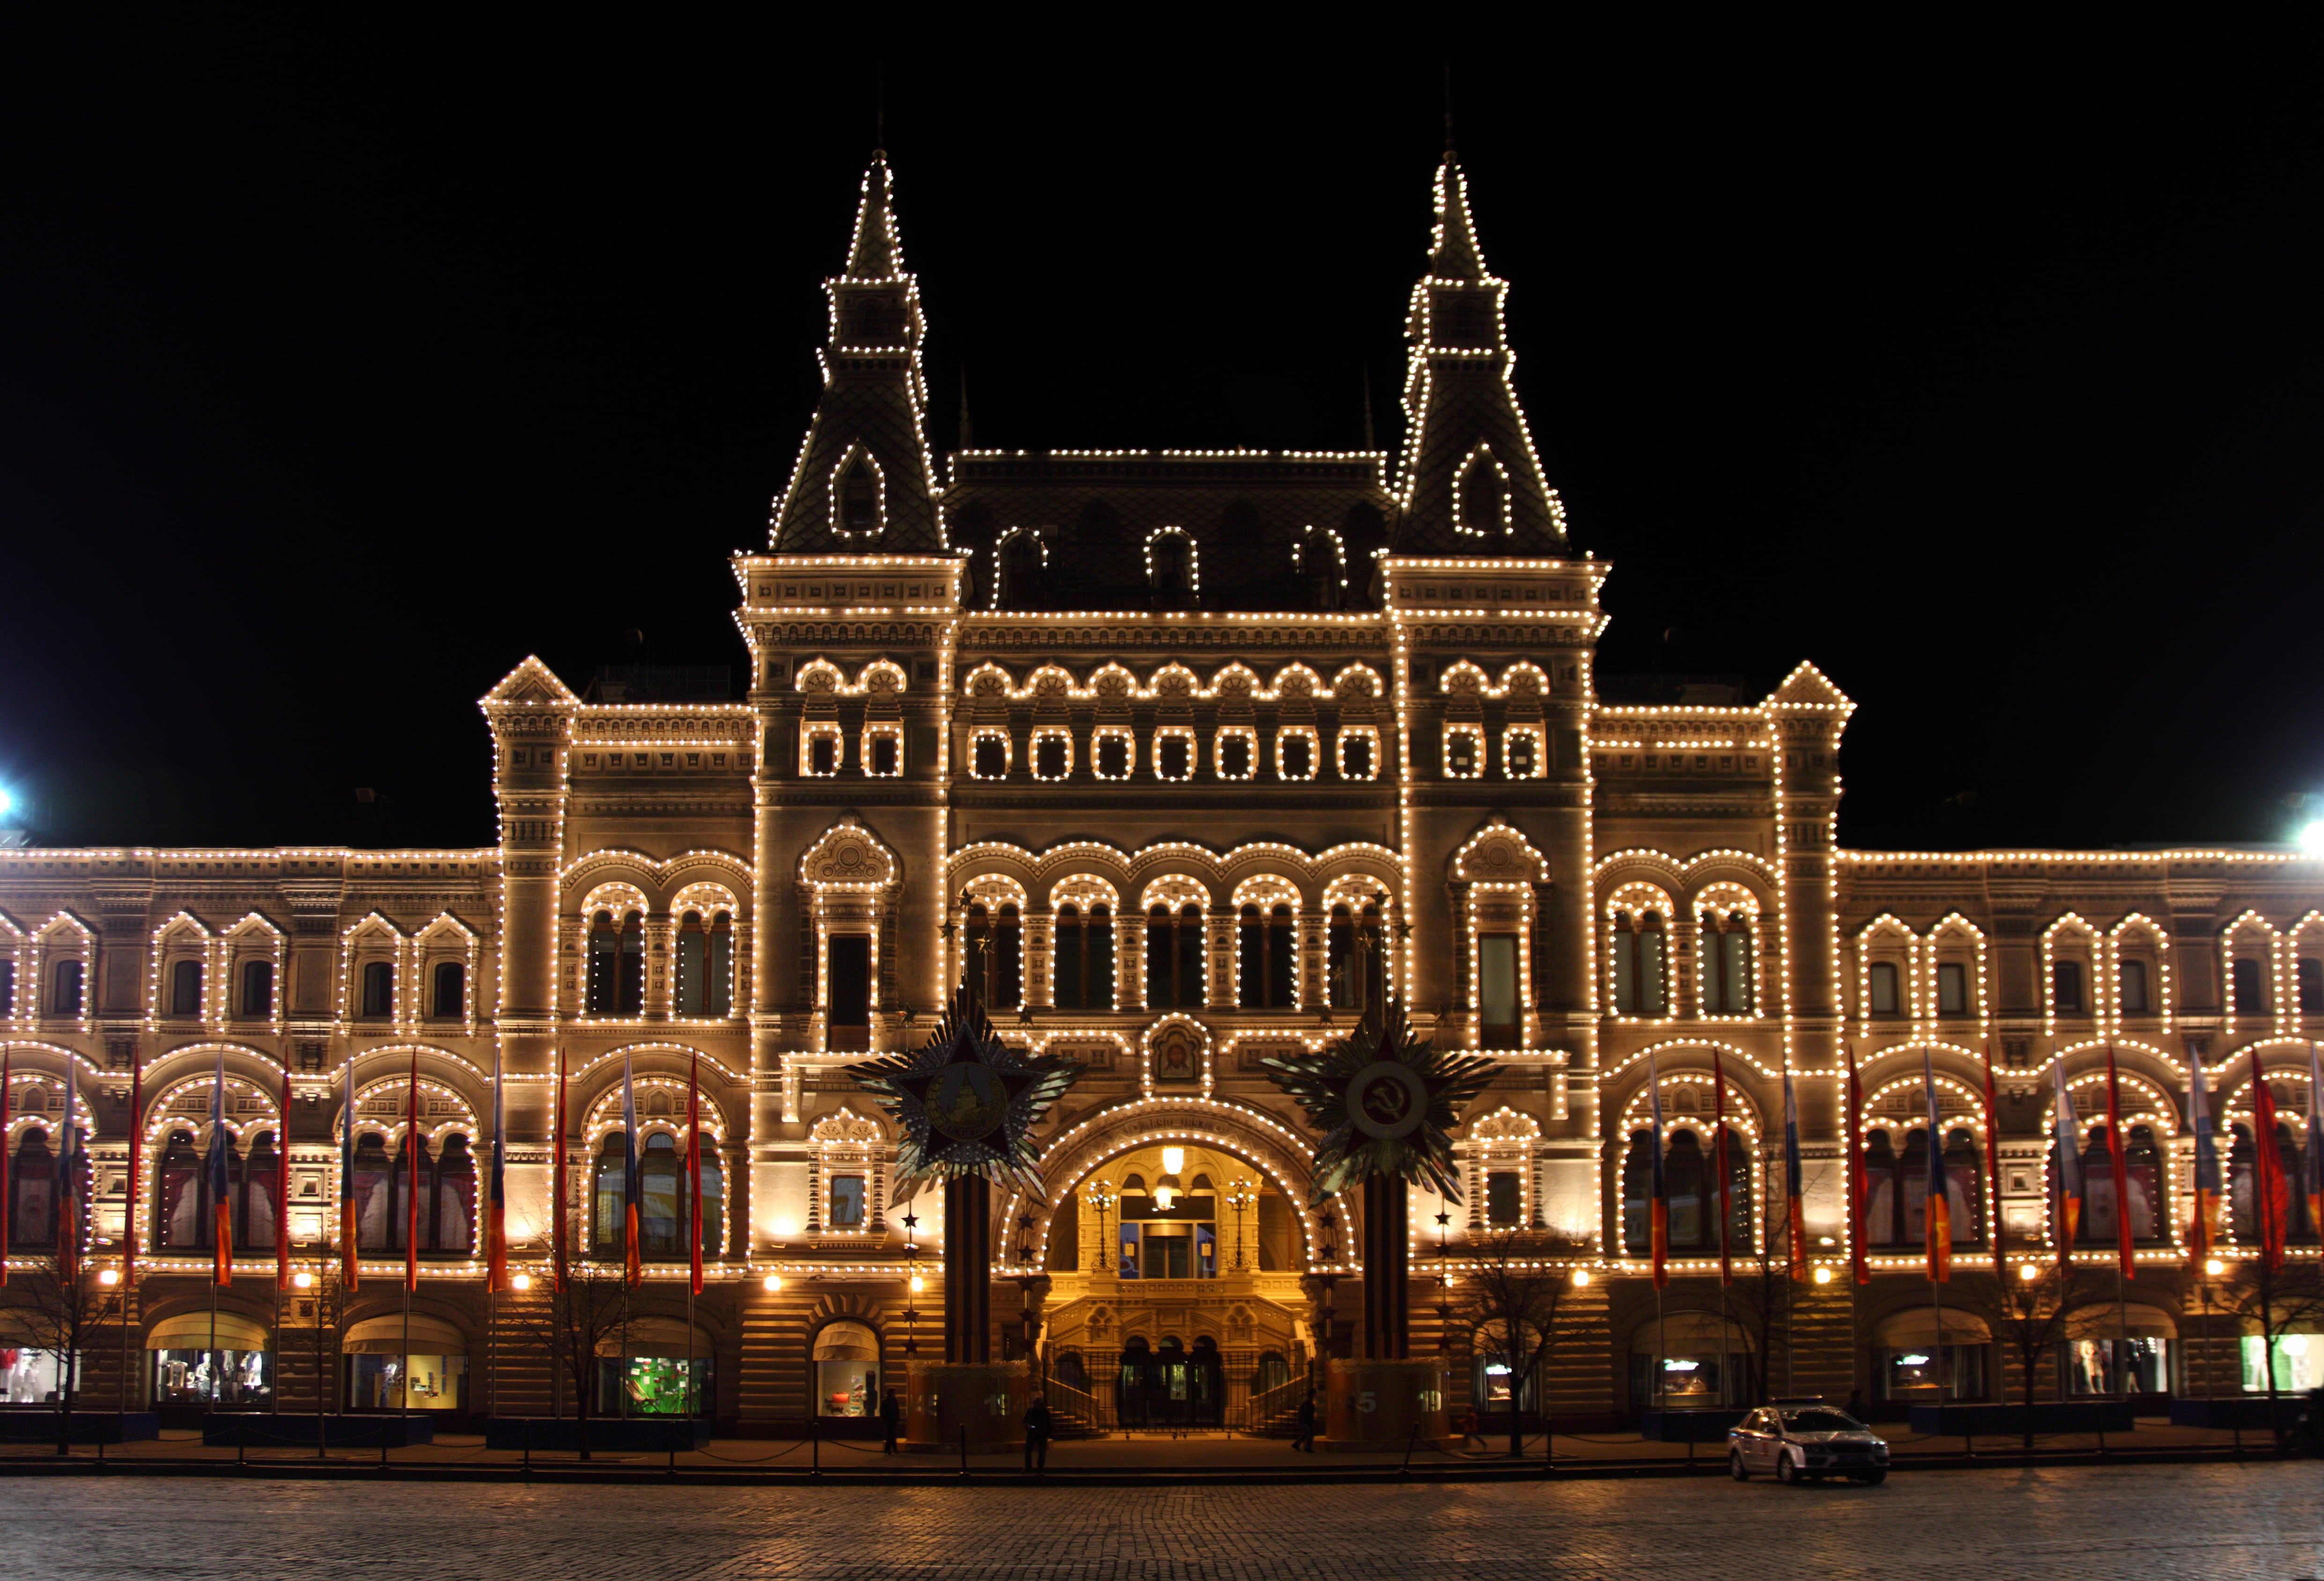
[(1305, 1439), (1038, 1425), (891, 1416)]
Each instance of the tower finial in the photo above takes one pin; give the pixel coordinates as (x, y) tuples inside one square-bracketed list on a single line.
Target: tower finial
[(1369, 443), (879, 110), (1448, 109)]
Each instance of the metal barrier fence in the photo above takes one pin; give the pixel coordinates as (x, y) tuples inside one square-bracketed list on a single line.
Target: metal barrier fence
[(1236, 1389)]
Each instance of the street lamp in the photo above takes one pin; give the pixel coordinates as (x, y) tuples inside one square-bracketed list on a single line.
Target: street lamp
[(1241, 1200), (1101, 1198)]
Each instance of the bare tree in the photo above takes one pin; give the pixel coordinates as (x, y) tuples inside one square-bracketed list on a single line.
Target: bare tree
[(1512, 1301), (575, 1321), (2276, 1301), (1758, 1304), (62, 1315), (2029, 1317)]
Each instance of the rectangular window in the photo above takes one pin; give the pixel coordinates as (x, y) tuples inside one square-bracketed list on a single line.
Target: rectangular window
[(846, 1201), (1294, 753), (1174, 754), (1881, 981), (884, 745), (1496, 989), (822, 750), (2311, 988), (1465, 751), (2066, 986), (1504, 1199), (1521, 748), (2132, 986), (1359, 755), (1052, 755), (1952, 988), (2251, 987), (1113, 751), (848, 984), (7, 988), (991, 755), (65, 990), (1237, 749)]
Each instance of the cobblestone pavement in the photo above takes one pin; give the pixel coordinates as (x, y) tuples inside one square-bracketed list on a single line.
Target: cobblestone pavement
[(2154, 1522)]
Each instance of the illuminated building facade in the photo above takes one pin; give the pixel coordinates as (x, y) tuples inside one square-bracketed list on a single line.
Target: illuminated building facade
[(1181, 759)]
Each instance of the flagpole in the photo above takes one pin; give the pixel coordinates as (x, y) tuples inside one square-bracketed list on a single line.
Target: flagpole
[(130, 1207)]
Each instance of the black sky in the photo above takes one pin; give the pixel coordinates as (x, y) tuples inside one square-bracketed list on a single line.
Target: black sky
[(338, 372)]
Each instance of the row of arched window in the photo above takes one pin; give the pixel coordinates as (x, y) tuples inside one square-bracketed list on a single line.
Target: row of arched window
[(665, 1206), (1173, 753), (616, 983), (33, 1204), (1177, 956), (66, 988), (1727, 975), (447, 997), (1690, 1173)]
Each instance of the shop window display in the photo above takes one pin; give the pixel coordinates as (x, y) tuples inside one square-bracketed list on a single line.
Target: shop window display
[(226, 1379), (30, 1377), (437, 1383)]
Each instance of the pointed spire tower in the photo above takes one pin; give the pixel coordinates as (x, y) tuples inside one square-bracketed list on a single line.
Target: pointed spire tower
[(1469, 482), (863, 484)]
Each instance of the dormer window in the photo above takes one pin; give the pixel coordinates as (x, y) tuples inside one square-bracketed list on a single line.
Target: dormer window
[(859, 498), (1483, 496)]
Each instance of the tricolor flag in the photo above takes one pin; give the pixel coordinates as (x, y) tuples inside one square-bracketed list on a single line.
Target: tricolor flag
[(1659, 1210), (2275, 1192), (1794, 1182), (2207, 1165), (350, 1238), (411, 1190), (1937, 1211), (694, 1171), (557, 1186), (221, 1191), (281, 1189), (1859, 1188), (2069, 1165), (68, 1188), (2121, 1155), (2311, 1167), (1719, 1163), (496, 1194), (1993, 1164), (632, 1255)]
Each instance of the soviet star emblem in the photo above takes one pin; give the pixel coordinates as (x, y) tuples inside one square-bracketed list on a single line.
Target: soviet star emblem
[(1386, 1103)]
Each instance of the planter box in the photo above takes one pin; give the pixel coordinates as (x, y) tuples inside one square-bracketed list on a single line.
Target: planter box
[(252, 1429), (2050, 1415), (655, 1434), (2248, 1413), (84, 1426), (1687, 1427)]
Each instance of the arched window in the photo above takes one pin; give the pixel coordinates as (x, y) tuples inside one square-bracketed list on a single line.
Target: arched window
[(1263, 946), (185, 988), (1481, 496), (375, 1193), (617, 965), (2251, 987), (2243, 1185), (1726, 965), (2311, 985), (1687, 1176), (1640, 979), (859, 498), (996, 956), (450, 1220), (712, 1229), (451, 1000), (1173, 958), (1964, 1186), (846, 1355), (257, 989), (1020, 573), (1884, 1214), (1085, 962), (254, 1207), (31, 1193), (2131, 984), (2143, 1162), (378, 988), (606, 1226), (693, 965), (1319, 573), (722, 965), (7, 988), (1352, 946), (660, 1230), (65, 988), (1171, 558), (1637, 1194)]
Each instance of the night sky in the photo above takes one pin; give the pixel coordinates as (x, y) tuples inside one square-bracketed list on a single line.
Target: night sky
[(339, 371)]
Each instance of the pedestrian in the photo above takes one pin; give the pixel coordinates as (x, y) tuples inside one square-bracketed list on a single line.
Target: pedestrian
[(1856, 1404), (1305, 1439), (891, 1415), (1038, 1425), (1469, 1428)]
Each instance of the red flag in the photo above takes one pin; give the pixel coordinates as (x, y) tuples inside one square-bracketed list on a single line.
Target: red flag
[(7, 1213), (282, 1190), (412, 1195), (633, 1252), (1718, 1162), (221, 1181), (1993, 1164), (1937, 1209), (136, 1156), (68, 1188), (2274, 1191), (2121, 1150), (557, 1186), (694, 1171), (1858, 1187)]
